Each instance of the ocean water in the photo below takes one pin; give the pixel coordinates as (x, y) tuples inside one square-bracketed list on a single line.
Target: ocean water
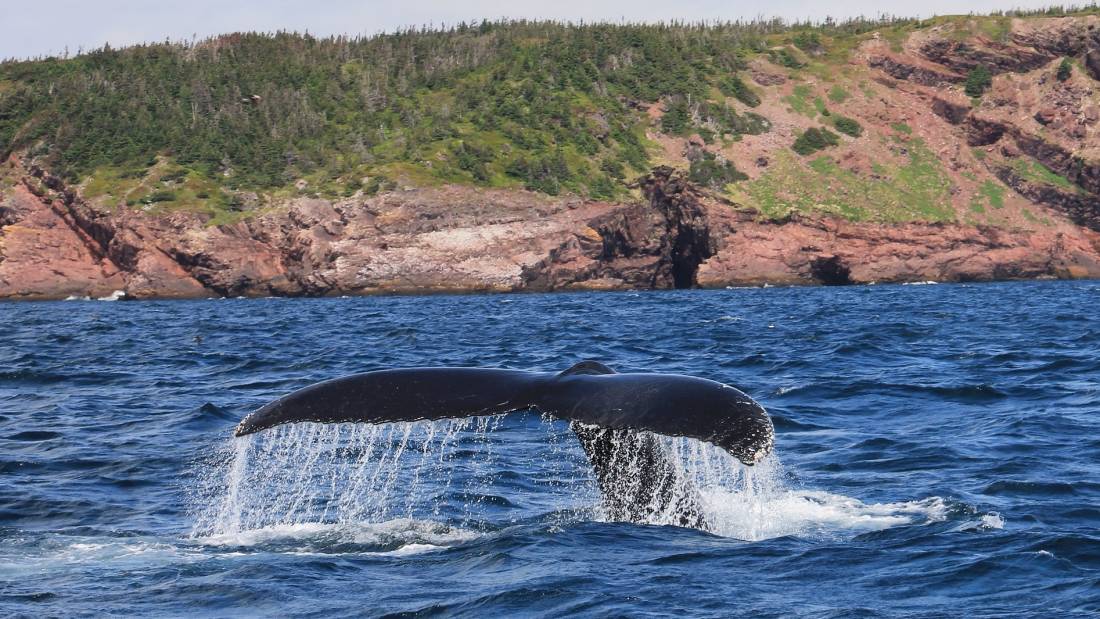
[(937, 454)]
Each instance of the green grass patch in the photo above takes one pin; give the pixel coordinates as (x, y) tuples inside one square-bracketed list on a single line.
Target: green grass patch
[(800, 101), (902, 128), (915, 189), (993, 193), (1033, 171), (837, 94), (996, 28)]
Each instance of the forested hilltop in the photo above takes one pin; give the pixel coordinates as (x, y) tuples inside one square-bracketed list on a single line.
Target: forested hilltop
[(549, 106), (535, 155), (546, 106)]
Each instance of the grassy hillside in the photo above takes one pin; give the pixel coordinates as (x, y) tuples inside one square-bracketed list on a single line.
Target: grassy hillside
[(545, 106)]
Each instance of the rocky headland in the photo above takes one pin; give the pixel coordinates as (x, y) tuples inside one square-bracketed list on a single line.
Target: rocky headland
[(1001, 186)]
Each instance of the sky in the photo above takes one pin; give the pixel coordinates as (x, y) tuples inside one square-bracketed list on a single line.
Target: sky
[(49, 27)]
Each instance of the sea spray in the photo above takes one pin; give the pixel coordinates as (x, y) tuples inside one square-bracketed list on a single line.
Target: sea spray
[(448, 476)]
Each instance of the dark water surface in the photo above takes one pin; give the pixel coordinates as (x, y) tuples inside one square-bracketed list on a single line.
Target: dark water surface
[(938, 455)]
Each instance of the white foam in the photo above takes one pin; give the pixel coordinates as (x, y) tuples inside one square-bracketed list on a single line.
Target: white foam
[(986, 522), (811, 514), (114, 296), (125, 553), (413, 549), (725, 318), (993, 521), (398, 535)]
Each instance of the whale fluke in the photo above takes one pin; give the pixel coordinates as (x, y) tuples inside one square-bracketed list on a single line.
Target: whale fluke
[(612, 414), (588, 393)]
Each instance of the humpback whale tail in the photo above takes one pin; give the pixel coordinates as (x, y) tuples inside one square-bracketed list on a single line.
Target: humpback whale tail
[(613, 415)]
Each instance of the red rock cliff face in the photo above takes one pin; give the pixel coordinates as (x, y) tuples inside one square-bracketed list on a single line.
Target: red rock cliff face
[(453, 239)]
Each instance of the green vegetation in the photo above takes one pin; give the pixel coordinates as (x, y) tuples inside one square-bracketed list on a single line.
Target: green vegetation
[(734, 86), (813, 140), (708, 170), (800, 100), (160, 196), (1031, 170), (1065, 70), (837, 94), (996, 28), (677, 118), (809, 42), (978, 81), (785, 58), (533, 104), (848, 126), (550, 107), (993, 193), (713, 119), (914, 187), (481, 104), (902, 128)]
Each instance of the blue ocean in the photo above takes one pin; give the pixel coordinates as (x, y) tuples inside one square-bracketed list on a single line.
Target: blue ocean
[(937, 455)]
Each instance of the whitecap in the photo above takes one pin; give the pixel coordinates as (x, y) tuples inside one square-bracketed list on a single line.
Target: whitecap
[(986, 522), (811, 514), (400, 536)]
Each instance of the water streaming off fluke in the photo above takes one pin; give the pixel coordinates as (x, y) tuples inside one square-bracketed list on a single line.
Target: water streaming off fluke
[(459, 475)]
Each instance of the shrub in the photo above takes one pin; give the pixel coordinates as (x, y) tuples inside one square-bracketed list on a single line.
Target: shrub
[(808, 42), (1065, 69), (978, 81), (602, 188), (613, 168), (712, 172), (472, 159), (784, 58), (172, 177), (848, 126), (735, 87), (813, 140), (160, 196), (677, 117)]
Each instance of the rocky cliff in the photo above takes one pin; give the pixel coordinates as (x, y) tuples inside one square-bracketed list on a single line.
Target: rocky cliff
[(458, 239)]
